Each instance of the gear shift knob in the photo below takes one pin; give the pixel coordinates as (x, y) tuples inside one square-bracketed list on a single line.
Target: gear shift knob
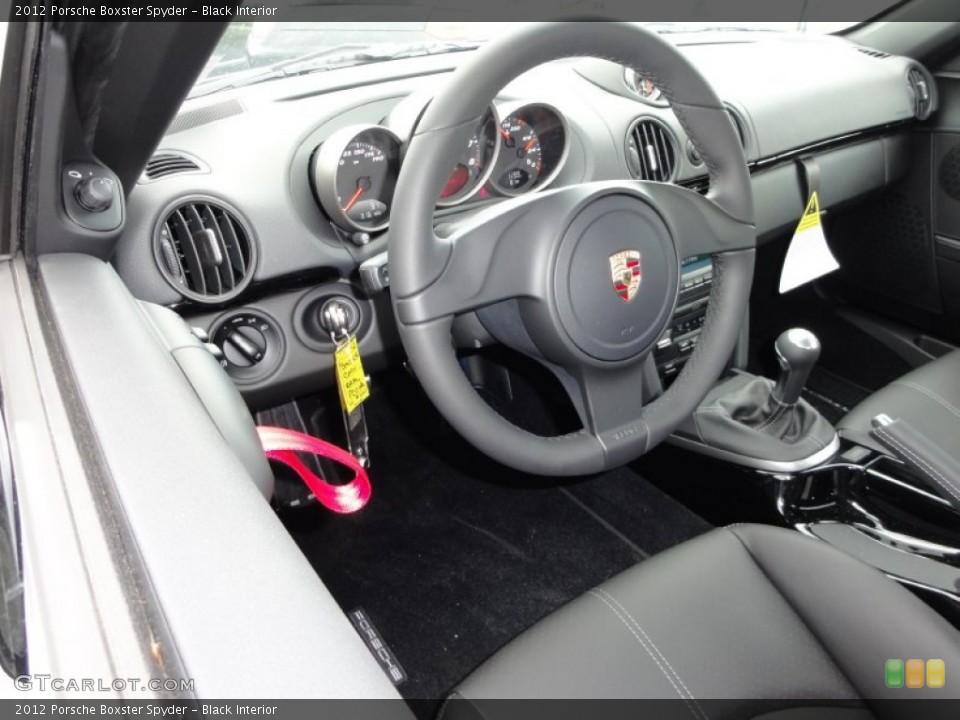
[(797, 351)]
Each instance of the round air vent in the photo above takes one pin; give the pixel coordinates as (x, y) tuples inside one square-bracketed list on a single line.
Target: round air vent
[(651, 151), (204, 250)]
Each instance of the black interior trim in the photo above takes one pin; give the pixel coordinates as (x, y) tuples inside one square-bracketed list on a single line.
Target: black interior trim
[(263, 288), (791, 156), (131, 109)]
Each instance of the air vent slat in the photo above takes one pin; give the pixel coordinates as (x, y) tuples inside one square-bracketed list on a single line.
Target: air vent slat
[(661, 144), (879, 54), (165, 164), (183, 241), (205, 251), (644, 145), (657, 149), (204, 241), (225, 268), (235, 250)]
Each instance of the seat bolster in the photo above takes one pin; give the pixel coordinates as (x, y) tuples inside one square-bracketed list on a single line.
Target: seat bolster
[(928, 398), (746, 621), (856, 613), (699, 621)]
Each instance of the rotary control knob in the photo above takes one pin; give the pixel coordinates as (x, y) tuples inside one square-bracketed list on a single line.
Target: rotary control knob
[(250, 343), (244, 346), (95, 194)]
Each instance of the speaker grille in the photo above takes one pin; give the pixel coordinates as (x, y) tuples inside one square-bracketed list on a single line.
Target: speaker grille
[(884, 245), (202, 116), (949, 173)]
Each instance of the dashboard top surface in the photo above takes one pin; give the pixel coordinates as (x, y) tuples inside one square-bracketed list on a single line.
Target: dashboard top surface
[(255, 145)]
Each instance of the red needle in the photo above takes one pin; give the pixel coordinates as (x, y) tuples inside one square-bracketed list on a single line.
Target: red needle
[(353, 200), (526, 148), (505, 134)]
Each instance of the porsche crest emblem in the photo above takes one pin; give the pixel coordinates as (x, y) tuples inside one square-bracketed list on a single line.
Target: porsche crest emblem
[(626, 273)]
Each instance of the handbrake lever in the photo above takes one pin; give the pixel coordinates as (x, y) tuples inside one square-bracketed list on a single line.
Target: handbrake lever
[(921, 454)]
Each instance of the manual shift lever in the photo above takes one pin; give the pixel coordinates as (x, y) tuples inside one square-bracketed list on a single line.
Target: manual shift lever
[(797, 351)]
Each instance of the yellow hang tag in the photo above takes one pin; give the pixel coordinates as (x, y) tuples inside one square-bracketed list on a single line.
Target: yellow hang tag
[(811, 216), (351, 380), (808, 256)]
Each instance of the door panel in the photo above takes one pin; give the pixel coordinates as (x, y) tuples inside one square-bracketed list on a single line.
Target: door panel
[(900, 251)]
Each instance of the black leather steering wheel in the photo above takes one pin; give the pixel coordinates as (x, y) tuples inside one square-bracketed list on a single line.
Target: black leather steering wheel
[(538, 269)]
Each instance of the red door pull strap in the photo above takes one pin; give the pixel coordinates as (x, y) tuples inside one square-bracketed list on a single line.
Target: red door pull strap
[(283, 445)]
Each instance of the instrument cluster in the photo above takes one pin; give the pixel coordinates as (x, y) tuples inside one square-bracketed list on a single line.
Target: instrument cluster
[(355, 170)]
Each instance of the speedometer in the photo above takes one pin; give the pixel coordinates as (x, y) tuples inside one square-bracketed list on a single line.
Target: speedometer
[(355, 173)]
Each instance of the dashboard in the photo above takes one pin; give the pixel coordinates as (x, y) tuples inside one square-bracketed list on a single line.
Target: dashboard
[(264, 205), (355, 170)]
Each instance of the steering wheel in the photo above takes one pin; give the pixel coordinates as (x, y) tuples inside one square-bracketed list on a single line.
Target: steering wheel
[(541, 271)]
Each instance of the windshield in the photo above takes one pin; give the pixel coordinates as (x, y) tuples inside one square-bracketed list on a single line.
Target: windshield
[(259, 51)]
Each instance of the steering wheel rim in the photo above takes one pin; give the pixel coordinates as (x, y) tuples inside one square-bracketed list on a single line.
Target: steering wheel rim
[(532, 290)]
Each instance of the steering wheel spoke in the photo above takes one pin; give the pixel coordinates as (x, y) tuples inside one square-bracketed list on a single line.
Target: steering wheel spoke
[(499, 253), (700, 227), (610, 403)]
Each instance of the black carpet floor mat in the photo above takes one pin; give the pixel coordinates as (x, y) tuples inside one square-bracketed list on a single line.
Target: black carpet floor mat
[(455, 555)]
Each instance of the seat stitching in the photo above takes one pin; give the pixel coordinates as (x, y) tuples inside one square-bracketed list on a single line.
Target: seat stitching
[(932, 471), (774, 416), (789, 603), (644, 646), (654, 646), (930, 394)]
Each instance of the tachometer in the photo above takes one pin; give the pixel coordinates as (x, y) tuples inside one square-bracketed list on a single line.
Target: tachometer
[(533, 143), (475, 164), (355, 173), (521, 158)]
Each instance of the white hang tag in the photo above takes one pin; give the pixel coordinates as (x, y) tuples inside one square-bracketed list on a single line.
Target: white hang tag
[(808, 256)]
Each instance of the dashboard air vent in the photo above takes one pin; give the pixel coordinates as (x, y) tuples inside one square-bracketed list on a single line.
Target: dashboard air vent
[(651, 151), (204, 250), (738, 125), (879, 54), (164, 164), (920, 93)]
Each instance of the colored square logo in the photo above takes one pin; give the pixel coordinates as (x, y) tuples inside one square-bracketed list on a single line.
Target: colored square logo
[(936, 673), (894, 673), (914, 674)]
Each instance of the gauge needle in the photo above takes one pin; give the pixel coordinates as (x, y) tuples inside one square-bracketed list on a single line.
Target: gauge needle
[(353, 200), (505, 134), (529, 145)]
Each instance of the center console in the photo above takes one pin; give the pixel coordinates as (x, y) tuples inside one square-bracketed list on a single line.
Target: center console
[(677, 343), (878, 509)]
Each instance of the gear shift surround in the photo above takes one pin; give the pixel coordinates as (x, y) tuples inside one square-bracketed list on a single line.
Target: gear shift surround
[(755, 422)]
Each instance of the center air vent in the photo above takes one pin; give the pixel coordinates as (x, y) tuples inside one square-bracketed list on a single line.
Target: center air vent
[(651, 151), (164, 164), (205, 250), (921, 94)]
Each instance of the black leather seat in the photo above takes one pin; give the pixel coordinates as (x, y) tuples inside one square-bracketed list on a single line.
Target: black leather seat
[(762, 617), (927, 398)]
